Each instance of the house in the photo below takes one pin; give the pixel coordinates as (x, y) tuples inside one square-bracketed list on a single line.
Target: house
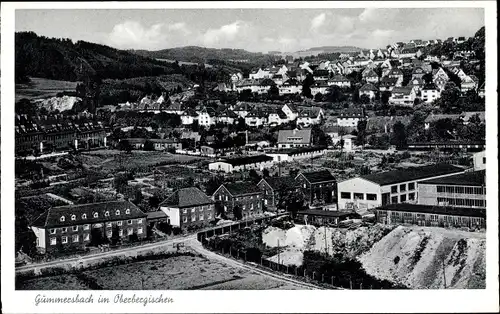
[(206, 117), (397, 186), (165, 143), (417, 72), (428, 215), (317, 186), (294, 138), (429, 93), (479, 160), (290, 111), (275, 189), (238, 200), (227, 117), (290, 86), (258, 162), (318, 217), (256, 119), (241, 110), (321, 75), (188, 117), (350, 117), (276, 118), (311, 116), (340, 81), (320, 87), (259, 74), (396, 73), (265, 85), (73, 227), (292, 154), (370, 76), (469, 83), (188, 207), (403, 96), (135, 142), (175, 108), (387, 83), (466, 189), (440, 78), (369, 90), (416, 83)]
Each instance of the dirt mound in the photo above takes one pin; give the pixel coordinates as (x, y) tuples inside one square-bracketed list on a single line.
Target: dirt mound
[(297, 237), (418, 256), (60, 103)]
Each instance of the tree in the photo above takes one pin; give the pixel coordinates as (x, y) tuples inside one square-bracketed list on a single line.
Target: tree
[(149, 146), (115, 235), (384, 98), (97, 238), (306, 85), (318, 97), (364, 99), (124, 145), (265, 173), (138, 196), (399, 135), (361, 137), (254, 176), (237, 212), (319, 137), (273, 91), (449, 97)]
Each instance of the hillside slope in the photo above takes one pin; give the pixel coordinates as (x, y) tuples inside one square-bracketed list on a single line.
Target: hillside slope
[(418, 256)]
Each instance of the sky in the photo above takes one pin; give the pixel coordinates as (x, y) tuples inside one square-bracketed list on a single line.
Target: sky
[(258, 30)]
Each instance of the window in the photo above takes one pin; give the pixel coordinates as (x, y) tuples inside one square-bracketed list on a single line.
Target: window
[(106, 214), (96, 215), (127, 211), (119, 223), (53, 241), (84, 216), (402, 198), (371, 197), (139, 221), (251, 206), (129, 221), (73, 217), (244, 207), (359, 196), (209, 216), (62, 219), (130, 231), (185, 211), (184, 219), (201, 217), (226, 198), (64, 229), (109, 233), (120, 232), (86, 237), (74, 238), (345, 195), (75, 228), (411, 186), (411, 196), (193, 209), (440, 189), (52, 231), (402, 187), (139, 230), (484, 160), (394, 199), (305, 185), (117, 213), (86, 227), (394, 189), (64, 239), (108, 224)]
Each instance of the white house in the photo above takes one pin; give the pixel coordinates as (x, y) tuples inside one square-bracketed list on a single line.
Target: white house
[(319, 87), (350, 117), (290, 111), (290, 86), (205, 118), (255, 119), (309, 117), (390, 187), (479, 159), (429, 93), (340, 81), (403, 96), (368, 89), (292, 154), (257, 162), (188, 117), (277, 118)]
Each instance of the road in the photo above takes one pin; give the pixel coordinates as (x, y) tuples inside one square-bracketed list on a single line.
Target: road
[(198, 248), (89, 258)]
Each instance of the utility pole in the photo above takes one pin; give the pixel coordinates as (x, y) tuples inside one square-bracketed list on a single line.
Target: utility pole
[(279, 251), (444, 275)]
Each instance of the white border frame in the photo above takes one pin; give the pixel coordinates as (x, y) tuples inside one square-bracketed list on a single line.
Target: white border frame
[(264, 301)]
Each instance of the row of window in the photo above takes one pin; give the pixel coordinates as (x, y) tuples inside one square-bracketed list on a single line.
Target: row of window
[(403, 198), (434, 217), (193, 209), (75, 238), (193, 217), (358, 196), (95, 215), (402, 187), (461, 189), (241, 198), (461, 202), (87, 226)]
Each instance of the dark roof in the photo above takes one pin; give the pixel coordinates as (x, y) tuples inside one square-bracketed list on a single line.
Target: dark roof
[(473, 178), (238, 161), (411, 174), (298, 150), (187, 197), (280, 183), (438, 210), (156, 215), (52, 216), (368, 87), (326, 213), (318, 176), (241, 188)]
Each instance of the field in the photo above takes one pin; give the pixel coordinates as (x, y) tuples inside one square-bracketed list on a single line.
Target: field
[(113, 160), (174, 273), (43, 88)]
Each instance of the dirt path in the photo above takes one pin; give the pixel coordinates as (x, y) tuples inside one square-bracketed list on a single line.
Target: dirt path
[(198, 248)]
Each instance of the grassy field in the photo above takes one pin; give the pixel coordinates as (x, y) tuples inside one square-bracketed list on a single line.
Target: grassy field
[(174, 273), (113, 160), (43, 88)]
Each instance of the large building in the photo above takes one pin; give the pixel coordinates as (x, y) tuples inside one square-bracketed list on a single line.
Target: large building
[(55, 133), (428, 215), (238, 200), (463, 190), (397, 186), (317, 186), (350, 117), (479, 160), (274, 189), (258, 162), (73, 227), (294, 138), (292, 154), (188, 207)]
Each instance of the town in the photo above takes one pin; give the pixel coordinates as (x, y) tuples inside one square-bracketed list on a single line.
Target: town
[(391, 136)]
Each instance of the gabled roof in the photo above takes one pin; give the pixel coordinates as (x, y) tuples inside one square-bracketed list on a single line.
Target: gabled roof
[(411, 174), (388, 81), (187, 197), (368, 87), (437, 210), (305, 134), (246, 160), (406, 90), (317, 176), (241, 188), (473, 178), (52, 216), (280, 183), (370, 73)]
